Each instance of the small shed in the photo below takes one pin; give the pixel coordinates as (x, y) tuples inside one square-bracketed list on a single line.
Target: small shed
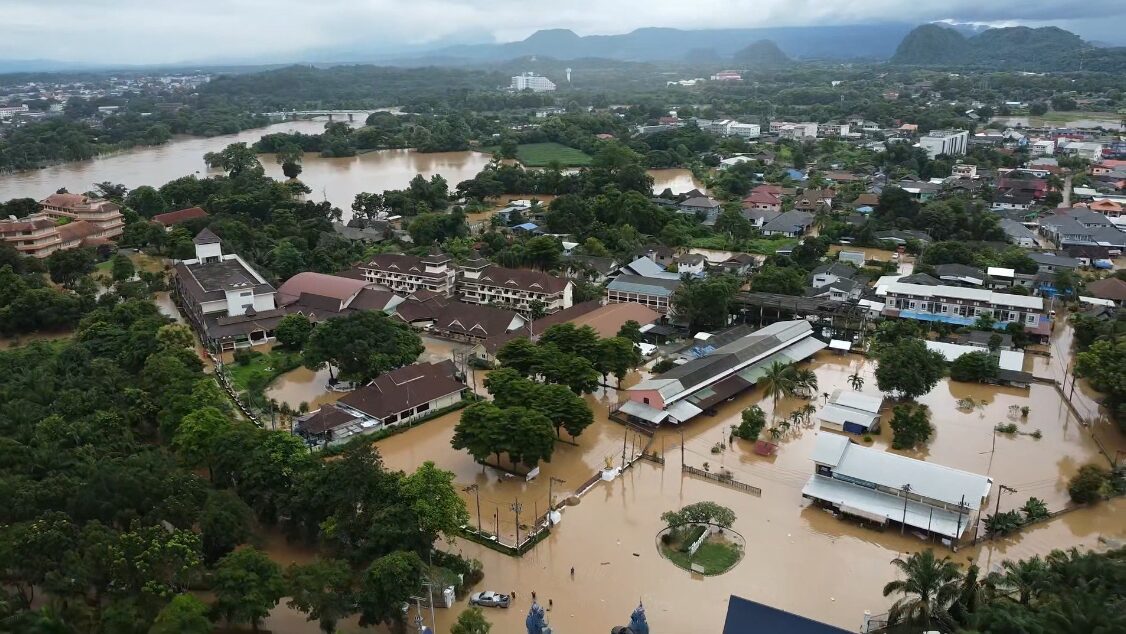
[(852, 257), (840, 346), (851, 412)]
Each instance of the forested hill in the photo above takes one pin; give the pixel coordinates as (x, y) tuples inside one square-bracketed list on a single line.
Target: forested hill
[(762, 54), (1042, 49)]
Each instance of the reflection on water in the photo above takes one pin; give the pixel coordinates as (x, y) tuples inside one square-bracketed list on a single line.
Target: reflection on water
[(677, 179), (303, 385)]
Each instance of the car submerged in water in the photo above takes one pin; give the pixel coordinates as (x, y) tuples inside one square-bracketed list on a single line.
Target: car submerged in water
[(489, 599)]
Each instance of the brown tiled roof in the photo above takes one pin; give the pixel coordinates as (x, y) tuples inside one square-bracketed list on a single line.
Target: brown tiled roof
[(523, 279), (400, 263), (1108, 288), (65, 200), (340, 288), (176, 217), (867, 199), (77, 230), (402, 389), (28, 224), (372, 299), (608, 319), (206, 236), (326, 418)]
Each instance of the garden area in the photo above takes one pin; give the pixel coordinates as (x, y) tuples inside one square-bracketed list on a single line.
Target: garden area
[(698, 539), (253, 370)]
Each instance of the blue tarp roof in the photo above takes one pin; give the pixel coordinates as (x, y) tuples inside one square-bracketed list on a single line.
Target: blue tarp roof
[(747, 617), (527, 226)]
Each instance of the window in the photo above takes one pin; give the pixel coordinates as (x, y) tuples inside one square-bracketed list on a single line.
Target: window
[(645, 400), (945, 308), (422, 408)]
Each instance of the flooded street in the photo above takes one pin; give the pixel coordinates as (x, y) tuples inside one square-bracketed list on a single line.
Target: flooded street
[(679, 180)]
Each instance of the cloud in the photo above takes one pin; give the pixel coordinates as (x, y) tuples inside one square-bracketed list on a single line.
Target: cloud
[(162, 31)]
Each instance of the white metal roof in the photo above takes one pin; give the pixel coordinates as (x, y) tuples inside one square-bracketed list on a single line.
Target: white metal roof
[(857, 400), (997, 271), (876, 505), (833, 413), (682, 410), (1008, 359), (644, 412), (893, 471), (840, 344), (1095, 301), (974, 294)]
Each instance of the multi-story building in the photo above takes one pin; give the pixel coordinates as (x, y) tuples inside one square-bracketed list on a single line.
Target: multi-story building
[(794, 130), (103, 214), (1090, 150), (962, 306), (226, 300), (407, 273), (533, 82), (727, 75), (517, 289), (744, 130), (656, 293), (948, 142), (36, 237)]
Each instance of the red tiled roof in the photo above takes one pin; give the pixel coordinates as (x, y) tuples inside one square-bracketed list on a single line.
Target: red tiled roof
[(77, 230), (523, 279), (176, 217)]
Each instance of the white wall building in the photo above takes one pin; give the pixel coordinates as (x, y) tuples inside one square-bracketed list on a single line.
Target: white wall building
[(533, 82), (948, 142)]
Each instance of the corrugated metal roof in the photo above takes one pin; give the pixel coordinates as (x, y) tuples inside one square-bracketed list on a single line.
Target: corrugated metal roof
[(888, 506)]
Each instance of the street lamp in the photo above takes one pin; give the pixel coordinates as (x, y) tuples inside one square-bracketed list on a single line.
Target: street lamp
[(477, 493)]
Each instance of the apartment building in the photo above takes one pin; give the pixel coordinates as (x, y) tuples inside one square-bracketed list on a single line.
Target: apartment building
[(103, 214), (533, 82), (962, 306), (948, 142), (516, 289), (406, 274), (34, 237)]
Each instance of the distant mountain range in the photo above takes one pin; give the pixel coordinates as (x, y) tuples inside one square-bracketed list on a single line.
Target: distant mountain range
[(1042, 49)]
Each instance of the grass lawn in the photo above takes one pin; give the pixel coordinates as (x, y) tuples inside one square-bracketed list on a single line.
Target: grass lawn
[(541, 154), (761, 246), (714, 556), (1061, 116), (262, 369)]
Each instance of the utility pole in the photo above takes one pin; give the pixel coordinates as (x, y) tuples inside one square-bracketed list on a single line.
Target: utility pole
[(624, 439), (958, 531), (682, 449), (551, 498), (1001, 489), (516, 508), (903, 524), (477, 493)]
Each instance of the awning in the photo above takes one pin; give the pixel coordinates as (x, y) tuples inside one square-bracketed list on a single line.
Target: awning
[(840, 344), (643, 411), (804, 349), (840, 415), (681, 411), (879, 506)]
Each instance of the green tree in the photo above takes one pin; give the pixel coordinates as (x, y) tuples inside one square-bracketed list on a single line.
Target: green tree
[(929, 588), (362, 346), (146, 201), (618, 356), (974, 366), (752, 421), (909, 368), (1034, 509), (478, 431), (224, 523), (520, 354), (471, 621), (856, 381), (700, 512), (779, 279), (631, 330), (122, 268), (778, 382), (567, 369), (322, 590), (287, 260), (184, 614), (439, 509), (293, 331), (68, 266), (704, 303), (564, 408), (911, 426), (236, 159), (247, 585), (198, 438), (528, 436), (387, 584)]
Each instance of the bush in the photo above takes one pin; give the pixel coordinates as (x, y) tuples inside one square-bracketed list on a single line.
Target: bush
[(974, 366), (911, 426), (1003, 523), (1006, 428), (244, 356), (664, 365), (1087, 485)]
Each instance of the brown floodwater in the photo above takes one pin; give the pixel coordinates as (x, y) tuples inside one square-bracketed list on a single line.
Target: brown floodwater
[(609, 536), (337, 180)]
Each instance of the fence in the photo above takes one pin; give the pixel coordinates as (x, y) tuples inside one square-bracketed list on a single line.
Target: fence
[(731, 482)]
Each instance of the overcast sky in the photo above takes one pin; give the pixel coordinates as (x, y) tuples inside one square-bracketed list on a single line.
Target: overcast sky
[(166, 31)]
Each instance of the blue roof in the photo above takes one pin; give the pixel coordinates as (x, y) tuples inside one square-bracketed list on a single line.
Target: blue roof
[(527, 226), (748, 617), (865, 209), (795, 174)]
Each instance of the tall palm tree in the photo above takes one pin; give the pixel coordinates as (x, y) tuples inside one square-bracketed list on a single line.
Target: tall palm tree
[(930, 587), (856, 381), (1025, 578), (778, 382)]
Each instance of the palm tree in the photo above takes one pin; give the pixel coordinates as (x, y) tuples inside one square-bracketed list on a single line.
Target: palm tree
[(929, 588), (806, 381), (1024, 578), (856, 381), (778, 382)]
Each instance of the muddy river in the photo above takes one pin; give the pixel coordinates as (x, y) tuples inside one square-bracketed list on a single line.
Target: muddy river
[(799, 558), (337, 180)]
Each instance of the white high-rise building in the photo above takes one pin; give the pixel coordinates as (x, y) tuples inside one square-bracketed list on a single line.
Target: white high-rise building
[(948, 142), (532, 81)]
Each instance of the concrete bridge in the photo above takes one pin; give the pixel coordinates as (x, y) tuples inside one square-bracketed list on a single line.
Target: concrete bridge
[(302, 114)]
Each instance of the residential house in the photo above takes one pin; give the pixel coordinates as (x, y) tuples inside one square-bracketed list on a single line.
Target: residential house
[(172, 218), (763, 200), (394, 398), (1000, 277), (920, 190), (814, 200), (1012, 199), (740, 264), (1010, 363), (793, 223), (690, 264), (703, 207), (1089, 150), (224, 298), (103, 214), (1051, 263), (902, 236), (964, 170), (724, 366), (960, 274), (1018, 234), (759, 217), (867, 199), (884, 487), (361, 230), (645, 267), (851, 412), (828, 273), (1082, 227), (1109, 288), (590, 268), (962, 306)]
